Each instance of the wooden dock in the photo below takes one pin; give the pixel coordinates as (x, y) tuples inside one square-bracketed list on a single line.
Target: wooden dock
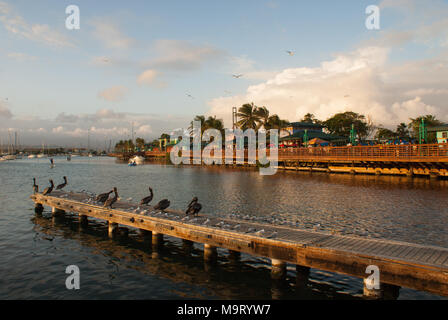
[(400, 264)]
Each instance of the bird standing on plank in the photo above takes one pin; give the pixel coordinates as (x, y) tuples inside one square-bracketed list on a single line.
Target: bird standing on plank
[(49, 189), (109, 202), (194, 207), (103, 197), (35, 186), (62, 185), (148, 199), (162, 205)]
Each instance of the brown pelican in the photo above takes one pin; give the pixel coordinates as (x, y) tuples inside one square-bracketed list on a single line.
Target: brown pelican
[(162, 205), (148, 199), (103, 197), (194, 207), (62, 185), (109, 202), (35, 186), (49, 189)]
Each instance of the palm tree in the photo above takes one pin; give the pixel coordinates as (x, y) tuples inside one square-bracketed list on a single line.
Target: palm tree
[(275, 122), (248, 117), (213, 123), (201, 119), (263, 117)]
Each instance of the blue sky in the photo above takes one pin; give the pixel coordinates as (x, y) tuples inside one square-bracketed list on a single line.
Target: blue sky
[(96, 74)]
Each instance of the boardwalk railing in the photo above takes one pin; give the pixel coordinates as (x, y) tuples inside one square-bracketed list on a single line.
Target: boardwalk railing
[(407, 153)]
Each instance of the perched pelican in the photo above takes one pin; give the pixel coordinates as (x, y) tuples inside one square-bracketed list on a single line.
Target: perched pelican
[(49, 189), (35, 186), (162, 205), (103, 197), (194, 207), (109, 202), (148, 199), (62, 185)]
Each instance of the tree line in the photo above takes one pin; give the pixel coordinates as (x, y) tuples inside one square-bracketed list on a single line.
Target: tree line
[(253, 117)]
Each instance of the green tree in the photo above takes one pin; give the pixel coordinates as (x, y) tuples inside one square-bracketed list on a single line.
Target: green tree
[(248, 119), (430, 121), (402, 130), (384, 133), (310, 118), (341, 123), (140, 143)]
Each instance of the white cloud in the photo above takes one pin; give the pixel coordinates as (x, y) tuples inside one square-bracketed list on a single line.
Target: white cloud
[(110, 35), (362, 81), (5, 112), (16, 24), (113, 94), (19, 56), (148, 77), (180, 55)]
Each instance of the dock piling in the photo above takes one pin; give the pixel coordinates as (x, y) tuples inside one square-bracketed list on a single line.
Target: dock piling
[(112, 229), (278, 271), (210, 253), (157, 240)]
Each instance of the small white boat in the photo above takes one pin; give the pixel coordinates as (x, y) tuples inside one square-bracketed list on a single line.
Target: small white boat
[(10, 157), (41, 155), (31, 156), (2, 159), (137, 160)]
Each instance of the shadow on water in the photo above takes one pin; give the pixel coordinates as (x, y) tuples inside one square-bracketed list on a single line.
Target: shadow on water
[(228, 279)]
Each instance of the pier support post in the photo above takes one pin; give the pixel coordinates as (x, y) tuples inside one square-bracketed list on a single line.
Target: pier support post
[(210, 253), (386, 291), (278, 271), (83, 220), (157, 240), (433, 175), (302, 276), (38, 208), (234, 255), (56, 211), (145, 233), (112, 229)]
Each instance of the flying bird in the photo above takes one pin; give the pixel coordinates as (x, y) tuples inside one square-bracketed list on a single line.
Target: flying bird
[(291, 53), (190, 96), (236, 76)]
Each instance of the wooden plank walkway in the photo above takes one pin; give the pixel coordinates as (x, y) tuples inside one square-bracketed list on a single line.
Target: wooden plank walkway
[(403, 264)]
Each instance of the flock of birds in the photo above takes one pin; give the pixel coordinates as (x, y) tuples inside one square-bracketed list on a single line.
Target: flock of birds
[(107, 200)]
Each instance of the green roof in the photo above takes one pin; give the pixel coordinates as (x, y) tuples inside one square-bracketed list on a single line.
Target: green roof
[(311, 135), (443, 127)]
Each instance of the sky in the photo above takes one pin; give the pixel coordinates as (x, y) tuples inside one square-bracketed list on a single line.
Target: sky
[(154, 65)]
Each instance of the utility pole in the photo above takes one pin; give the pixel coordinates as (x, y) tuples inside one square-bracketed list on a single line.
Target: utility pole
[(234, 117)]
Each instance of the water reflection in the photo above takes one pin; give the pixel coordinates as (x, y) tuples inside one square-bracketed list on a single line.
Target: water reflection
[(35, 253)]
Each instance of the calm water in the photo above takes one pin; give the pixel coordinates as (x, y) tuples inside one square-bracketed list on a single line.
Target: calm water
[(35, 251)]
